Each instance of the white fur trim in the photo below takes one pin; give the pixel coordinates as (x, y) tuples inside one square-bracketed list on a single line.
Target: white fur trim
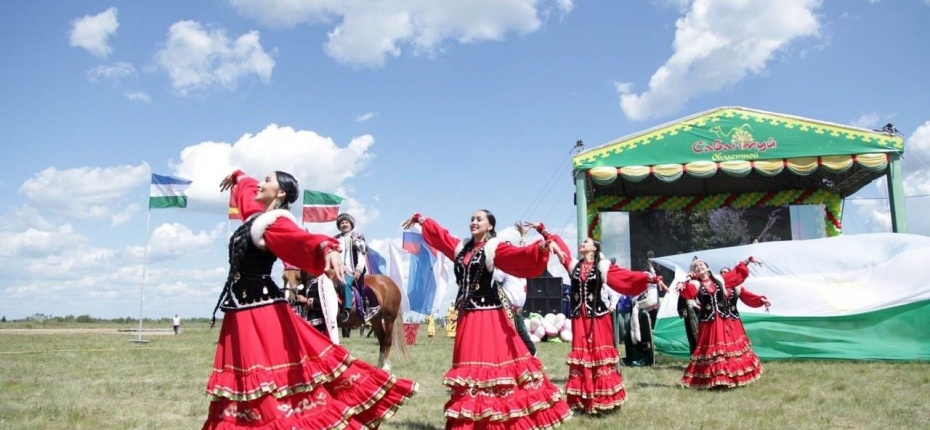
[(490, 249), (603, 266), (636, 335), (264, 221)]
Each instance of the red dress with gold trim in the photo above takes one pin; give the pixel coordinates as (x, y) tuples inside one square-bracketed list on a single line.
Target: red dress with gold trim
[(595, 385), (272, 370), (495, 383), (723, 357)]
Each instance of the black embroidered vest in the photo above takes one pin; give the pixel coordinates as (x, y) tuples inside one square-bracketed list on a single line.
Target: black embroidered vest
[(587, 294), (477, 288), (725, 306), (249, 283)]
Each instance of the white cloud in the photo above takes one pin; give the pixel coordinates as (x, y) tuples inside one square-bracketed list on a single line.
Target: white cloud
[(26, 217), (915, 167), (314, 160), (916, 164), (565, 6), (867, 120), (124, 215), (367, 32), (196, 58), (115, 293), (138, 96), (875, 213), (717, 43), (365, 117), (114, 72), (173, 240), (51, 254), (92, 32), (38, 242), (84, 192)]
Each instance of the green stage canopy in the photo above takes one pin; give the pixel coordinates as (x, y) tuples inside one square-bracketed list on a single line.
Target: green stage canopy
[(736, 150)]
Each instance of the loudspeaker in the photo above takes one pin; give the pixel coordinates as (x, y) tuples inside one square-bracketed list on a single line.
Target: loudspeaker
[(544, 295)]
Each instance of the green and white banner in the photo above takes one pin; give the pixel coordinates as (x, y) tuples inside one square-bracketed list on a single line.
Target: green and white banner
[(858, 297)]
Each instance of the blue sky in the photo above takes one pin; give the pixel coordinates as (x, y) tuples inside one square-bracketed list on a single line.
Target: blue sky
[(401, 106)]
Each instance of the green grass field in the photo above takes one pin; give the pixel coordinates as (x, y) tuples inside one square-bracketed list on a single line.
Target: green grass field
[(97, 379)]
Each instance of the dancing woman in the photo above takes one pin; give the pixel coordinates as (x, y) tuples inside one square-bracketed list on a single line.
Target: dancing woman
[(495, 383), (594, 383), (272, 370), (723, 356)]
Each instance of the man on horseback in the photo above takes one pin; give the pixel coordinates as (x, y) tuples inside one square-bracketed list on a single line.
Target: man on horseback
[(354, 254)]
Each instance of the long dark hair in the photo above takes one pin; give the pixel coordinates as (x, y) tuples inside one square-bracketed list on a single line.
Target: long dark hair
[(289, 185), (597, 262)]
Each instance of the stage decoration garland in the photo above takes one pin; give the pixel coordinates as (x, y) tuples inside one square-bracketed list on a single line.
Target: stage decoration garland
[(832, 202)]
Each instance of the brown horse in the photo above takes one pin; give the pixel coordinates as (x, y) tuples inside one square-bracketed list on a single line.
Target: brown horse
[(388, 323)]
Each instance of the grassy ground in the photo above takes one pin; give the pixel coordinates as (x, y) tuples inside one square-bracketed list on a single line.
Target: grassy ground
[(96, 379)]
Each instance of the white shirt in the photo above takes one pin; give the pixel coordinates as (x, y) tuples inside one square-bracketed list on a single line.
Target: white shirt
[(176, 320), (514, 287)]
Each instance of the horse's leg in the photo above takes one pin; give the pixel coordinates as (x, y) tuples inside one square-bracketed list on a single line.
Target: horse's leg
[(377, 325), (389, 332)]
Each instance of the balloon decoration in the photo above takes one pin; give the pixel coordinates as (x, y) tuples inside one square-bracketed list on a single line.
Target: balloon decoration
[(802, 166), (548, 328)]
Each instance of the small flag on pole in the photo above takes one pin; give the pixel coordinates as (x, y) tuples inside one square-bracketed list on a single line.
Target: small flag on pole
[(233, 209), (421, 282), (320, 206), (168, 192), (414, 242)]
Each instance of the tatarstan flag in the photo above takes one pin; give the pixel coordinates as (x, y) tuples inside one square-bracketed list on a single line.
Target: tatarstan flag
[(168, 192), (320, 206)]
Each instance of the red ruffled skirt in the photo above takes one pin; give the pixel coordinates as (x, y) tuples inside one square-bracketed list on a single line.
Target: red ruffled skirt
[(496, 384), (594, 383), (272, 371), (723, 357)]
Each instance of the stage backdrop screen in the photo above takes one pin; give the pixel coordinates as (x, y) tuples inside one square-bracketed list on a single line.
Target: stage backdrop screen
[(675, 232)]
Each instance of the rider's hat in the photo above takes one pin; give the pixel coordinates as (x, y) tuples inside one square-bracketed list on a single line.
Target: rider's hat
[(345, 217)]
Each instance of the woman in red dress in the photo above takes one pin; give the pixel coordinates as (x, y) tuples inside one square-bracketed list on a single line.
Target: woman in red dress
[(495, 383), (272, 370), (723, 357), (594, 383)]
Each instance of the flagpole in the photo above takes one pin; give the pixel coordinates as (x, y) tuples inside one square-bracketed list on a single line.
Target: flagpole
[(145, 253)]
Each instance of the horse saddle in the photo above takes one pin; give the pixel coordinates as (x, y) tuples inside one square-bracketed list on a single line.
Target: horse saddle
[(366, 302)]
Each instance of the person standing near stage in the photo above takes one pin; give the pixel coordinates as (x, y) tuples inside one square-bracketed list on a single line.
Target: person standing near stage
[(354, 255), (594, 383), (430, 327), (452, 316), (515, 289), (272, 369), (494, 381), (723, 357)]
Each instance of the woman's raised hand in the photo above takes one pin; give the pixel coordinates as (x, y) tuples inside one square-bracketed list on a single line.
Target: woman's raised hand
[(415, 219), (752, 259), (660, 284), (521, 228), (229, 181), (555, 249), (335, 269), (532, 225)]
